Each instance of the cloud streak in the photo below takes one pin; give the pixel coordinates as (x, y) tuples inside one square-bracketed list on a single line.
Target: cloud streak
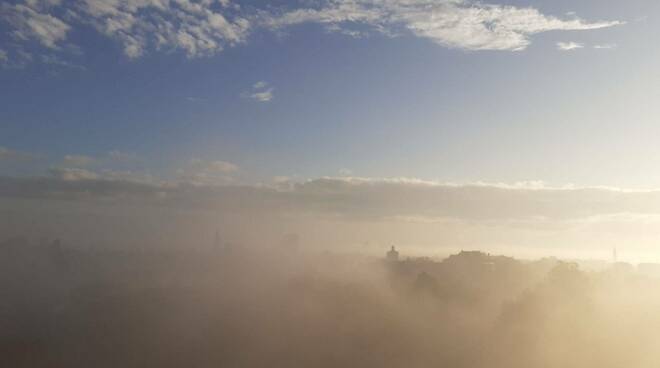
[(569, 46), (451, 23), (345, 197), (335, 212), (206, 27)]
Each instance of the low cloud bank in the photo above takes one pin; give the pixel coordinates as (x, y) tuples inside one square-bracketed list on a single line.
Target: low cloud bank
[(116, 209), (347, 197)]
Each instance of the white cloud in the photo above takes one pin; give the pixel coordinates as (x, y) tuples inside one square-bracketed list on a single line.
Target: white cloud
[(29, 23), (263, 96), (569, 46), (453, 23), (261, 91), (197, 28), (205, 27), (3, 56)]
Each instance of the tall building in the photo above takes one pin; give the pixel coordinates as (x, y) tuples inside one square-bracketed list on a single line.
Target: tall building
[(392, 255)]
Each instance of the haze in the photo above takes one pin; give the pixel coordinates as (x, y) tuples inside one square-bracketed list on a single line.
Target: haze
[(217, 182)]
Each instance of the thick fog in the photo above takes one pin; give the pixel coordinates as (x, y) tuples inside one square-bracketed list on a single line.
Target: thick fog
[(107, 272), (284, 306)]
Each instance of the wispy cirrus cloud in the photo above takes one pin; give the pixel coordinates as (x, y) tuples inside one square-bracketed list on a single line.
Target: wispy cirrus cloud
[(460, 24), (205, 27), (198, 28)]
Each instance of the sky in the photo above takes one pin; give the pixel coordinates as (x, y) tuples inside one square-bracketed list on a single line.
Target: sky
[(342, 108)]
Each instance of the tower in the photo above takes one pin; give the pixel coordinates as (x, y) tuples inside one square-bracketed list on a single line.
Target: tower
[(392, 255)]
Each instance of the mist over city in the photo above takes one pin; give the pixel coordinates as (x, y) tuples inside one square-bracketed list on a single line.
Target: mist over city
[(329, 183)]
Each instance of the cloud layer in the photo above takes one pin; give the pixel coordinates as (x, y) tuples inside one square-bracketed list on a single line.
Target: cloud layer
[(197, 27), (342, 212), (376, 199), (205, 27)]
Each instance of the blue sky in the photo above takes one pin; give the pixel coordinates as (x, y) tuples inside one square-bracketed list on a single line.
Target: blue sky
[(379, 104), (527, 124)]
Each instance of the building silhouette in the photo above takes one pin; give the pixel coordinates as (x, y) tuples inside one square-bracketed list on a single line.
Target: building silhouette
[(392, 255)]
